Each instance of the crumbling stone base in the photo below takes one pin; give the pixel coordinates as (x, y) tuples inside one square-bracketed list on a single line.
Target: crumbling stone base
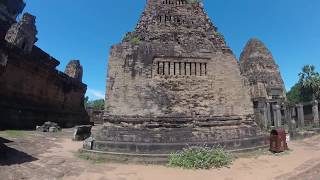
[(160, 136)]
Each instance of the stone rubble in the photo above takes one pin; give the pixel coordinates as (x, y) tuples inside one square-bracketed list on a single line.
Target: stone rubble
[(49, 127)]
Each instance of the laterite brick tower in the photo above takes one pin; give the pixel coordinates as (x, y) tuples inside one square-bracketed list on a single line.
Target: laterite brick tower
[(174, 82)]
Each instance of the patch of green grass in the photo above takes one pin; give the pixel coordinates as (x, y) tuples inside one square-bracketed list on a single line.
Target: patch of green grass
[(90, 157), (252, 154), (15, 133), (306, 128), (200, 158), (194, 1)]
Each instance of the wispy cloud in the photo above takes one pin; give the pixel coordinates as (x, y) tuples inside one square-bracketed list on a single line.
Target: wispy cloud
[(95, 94)]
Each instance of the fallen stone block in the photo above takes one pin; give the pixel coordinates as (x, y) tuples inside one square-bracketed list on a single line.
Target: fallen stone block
[(49, 127), (88, 143), (81, 132)]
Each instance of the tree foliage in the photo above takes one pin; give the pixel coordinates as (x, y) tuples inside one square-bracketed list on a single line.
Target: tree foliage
[(308, 86), (310, 82), (294, 95), (86, 101), (194, 1), (95, 104)]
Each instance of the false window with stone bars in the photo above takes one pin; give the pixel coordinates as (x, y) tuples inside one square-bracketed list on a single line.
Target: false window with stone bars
[(174, 2), (172, 19), (166, 68)]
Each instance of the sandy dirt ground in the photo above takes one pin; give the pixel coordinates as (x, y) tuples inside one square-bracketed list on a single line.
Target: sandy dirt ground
[(40, 156)]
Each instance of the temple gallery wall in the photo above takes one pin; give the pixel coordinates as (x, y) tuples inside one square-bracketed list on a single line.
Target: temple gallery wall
[(32, 91)]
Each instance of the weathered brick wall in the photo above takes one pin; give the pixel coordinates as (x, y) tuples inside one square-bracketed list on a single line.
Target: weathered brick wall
[(137, 89), (180, 34), (32, 92)]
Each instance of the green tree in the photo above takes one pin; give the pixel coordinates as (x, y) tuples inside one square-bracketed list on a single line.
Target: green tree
[(86, 101), (310, 82), (96, 104), (294, 95)]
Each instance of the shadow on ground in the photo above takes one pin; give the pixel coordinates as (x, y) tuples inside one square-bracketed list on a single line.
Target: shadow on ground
[(11, 156)]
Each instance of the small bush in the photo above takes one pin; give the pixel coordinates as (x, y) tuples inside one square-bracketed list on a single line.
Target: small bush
[(194, 1), (126, 38), (200, 158), (135, 40)]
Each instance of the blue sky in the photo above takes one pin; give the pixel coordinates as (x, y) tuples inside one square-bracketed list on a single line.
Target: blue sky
[(85, 30)]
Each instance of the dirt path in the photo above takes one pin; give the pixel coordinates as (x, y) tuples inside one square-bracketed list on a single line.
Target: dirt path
[(47, 157)]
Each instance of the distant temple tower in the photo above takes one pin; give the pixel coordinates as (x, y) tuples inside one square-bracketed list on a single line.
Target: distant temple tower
[(174, 82), (259, 67), (264, 79)]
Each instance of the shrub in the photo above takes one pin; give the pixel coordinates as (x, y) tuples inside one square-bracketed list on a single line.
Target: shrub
[(126, 37), (200, 158), (135, 40), (194, 1)]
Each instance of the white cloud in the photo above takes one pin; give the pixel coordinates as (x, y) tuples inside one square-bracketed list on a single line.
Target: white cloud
[(95, 94)]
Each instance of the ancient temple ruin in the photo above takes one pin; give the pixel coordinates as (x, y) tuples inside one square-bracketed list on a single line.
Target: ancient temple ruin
[(264, 79), (32, 91), (174, 82)]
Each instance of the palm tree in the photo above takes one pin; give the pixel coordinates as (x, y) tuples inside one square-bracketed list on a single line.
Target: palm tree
[(310, 81)]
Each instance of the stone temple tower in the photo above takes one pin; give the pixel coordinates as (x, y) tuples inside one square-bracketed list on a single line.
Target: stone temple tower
[(265, 82), (259, 67), (174, 82)]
